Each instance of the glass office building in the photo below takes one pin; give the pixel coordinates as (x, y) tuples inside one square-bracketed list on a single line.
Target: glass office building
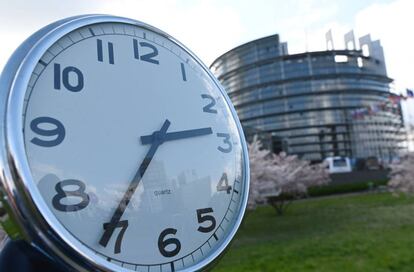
[(315, 104)]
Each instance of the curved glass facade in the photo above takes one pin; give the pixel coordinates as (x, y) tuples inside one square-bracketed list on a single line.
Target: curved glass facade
[(307, 101)]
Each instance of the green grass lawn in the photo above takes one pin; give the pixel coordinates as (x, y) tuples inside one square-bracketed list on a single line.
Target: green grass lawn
[(368, 232)]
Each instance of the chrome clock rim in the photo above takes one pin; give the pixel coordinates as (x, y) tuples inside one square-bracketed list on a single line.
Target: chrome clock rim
[(26, 208)]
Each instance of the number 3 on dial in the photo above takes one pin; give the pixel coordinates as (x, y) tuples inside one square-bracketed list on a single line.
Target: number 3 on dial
[(141, 221), (227, 144)]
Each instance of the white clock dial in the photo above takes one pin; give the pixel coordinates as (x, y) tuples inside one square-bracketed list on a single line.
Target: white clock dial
[(134, 147)]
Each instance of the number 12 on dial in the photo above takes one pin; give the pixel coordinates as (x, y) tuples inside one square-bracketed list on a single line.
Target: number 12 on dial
[(136, 132)]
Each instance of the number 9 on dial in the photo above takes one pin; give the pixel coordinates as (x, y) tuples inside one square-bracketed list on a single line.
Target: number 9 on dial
[(120, 151)]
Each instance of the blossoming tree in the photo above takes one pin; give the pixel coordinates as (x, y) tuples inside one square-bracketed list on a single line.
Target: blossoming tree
[(278, 179), (402, 175)]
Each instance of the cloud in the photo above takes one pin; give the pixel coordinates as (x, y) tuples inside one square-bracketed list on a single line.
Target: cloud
[(392, 24), (205, 27), (27, 16), (20, 18), (303, 24), (210, 28)]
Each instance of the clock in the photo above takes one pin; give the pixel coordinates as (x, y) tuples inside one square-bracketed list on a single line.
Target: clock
[(120, 151)]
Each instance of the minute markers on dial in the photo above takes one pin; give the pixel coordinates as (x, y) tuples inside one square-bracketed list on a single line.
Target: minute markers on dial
[(192, 182), (215, 236), (155, 139)]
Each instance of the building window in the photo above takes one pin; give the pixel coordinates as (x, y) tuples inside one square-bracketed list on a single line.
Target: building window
[(360, 62), (365, 50), (341, 58)]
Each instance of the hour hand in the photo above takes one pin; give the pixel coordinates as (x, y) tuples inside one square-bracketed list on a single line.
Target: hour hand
[(176, 135)]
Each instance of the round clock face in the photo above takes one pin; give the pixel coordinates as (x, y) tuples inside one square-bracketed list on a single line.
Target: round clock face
[(134, 148)]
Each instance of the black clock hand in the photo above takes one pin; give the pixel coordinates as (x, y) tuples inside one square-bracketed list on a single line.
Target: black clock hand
[(115, 220), (177, 135)]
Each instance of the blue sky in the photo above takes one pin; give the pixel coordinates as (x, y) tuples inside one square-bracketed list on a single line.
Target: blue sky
[(210, 28)]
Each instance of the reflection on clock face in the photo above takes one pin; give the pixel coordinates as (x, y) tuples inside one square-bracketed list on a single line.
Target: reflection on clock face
[(133, 147)]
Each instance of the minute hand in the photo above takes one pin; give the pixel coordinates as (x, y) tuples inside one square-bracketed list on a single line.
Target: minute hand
[(177, 135), (116, 217)]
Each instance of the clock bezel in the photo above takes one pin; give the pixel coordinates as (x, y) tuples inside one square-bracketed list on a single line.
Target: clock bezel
[(26, 209)]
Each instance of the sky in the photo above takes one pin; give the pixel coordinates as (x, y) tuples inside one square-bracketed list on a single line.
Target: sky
[(212, 27)]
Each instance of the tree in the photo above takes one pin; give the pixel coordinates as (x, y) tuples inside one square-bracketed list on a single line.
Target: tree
[(402, 174), (278, 179), (260, 171)]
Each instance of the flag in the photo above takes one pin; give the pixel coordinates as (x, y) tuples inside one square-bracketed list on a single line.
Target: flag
[(370, 110), (395, 99), (375, 108)]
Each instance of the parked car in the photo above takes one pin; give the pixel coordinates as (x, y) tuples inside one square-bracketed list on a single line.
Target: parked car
[(339, 164)]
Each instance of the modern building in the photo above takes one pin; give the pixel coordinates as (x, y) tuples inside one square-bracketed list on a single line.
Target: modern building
[(315, 104)]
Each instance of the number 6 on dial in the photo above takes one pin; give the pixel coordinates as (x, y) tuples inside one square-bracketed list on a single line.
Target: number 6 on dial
[(163, 244), (99, 105)]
